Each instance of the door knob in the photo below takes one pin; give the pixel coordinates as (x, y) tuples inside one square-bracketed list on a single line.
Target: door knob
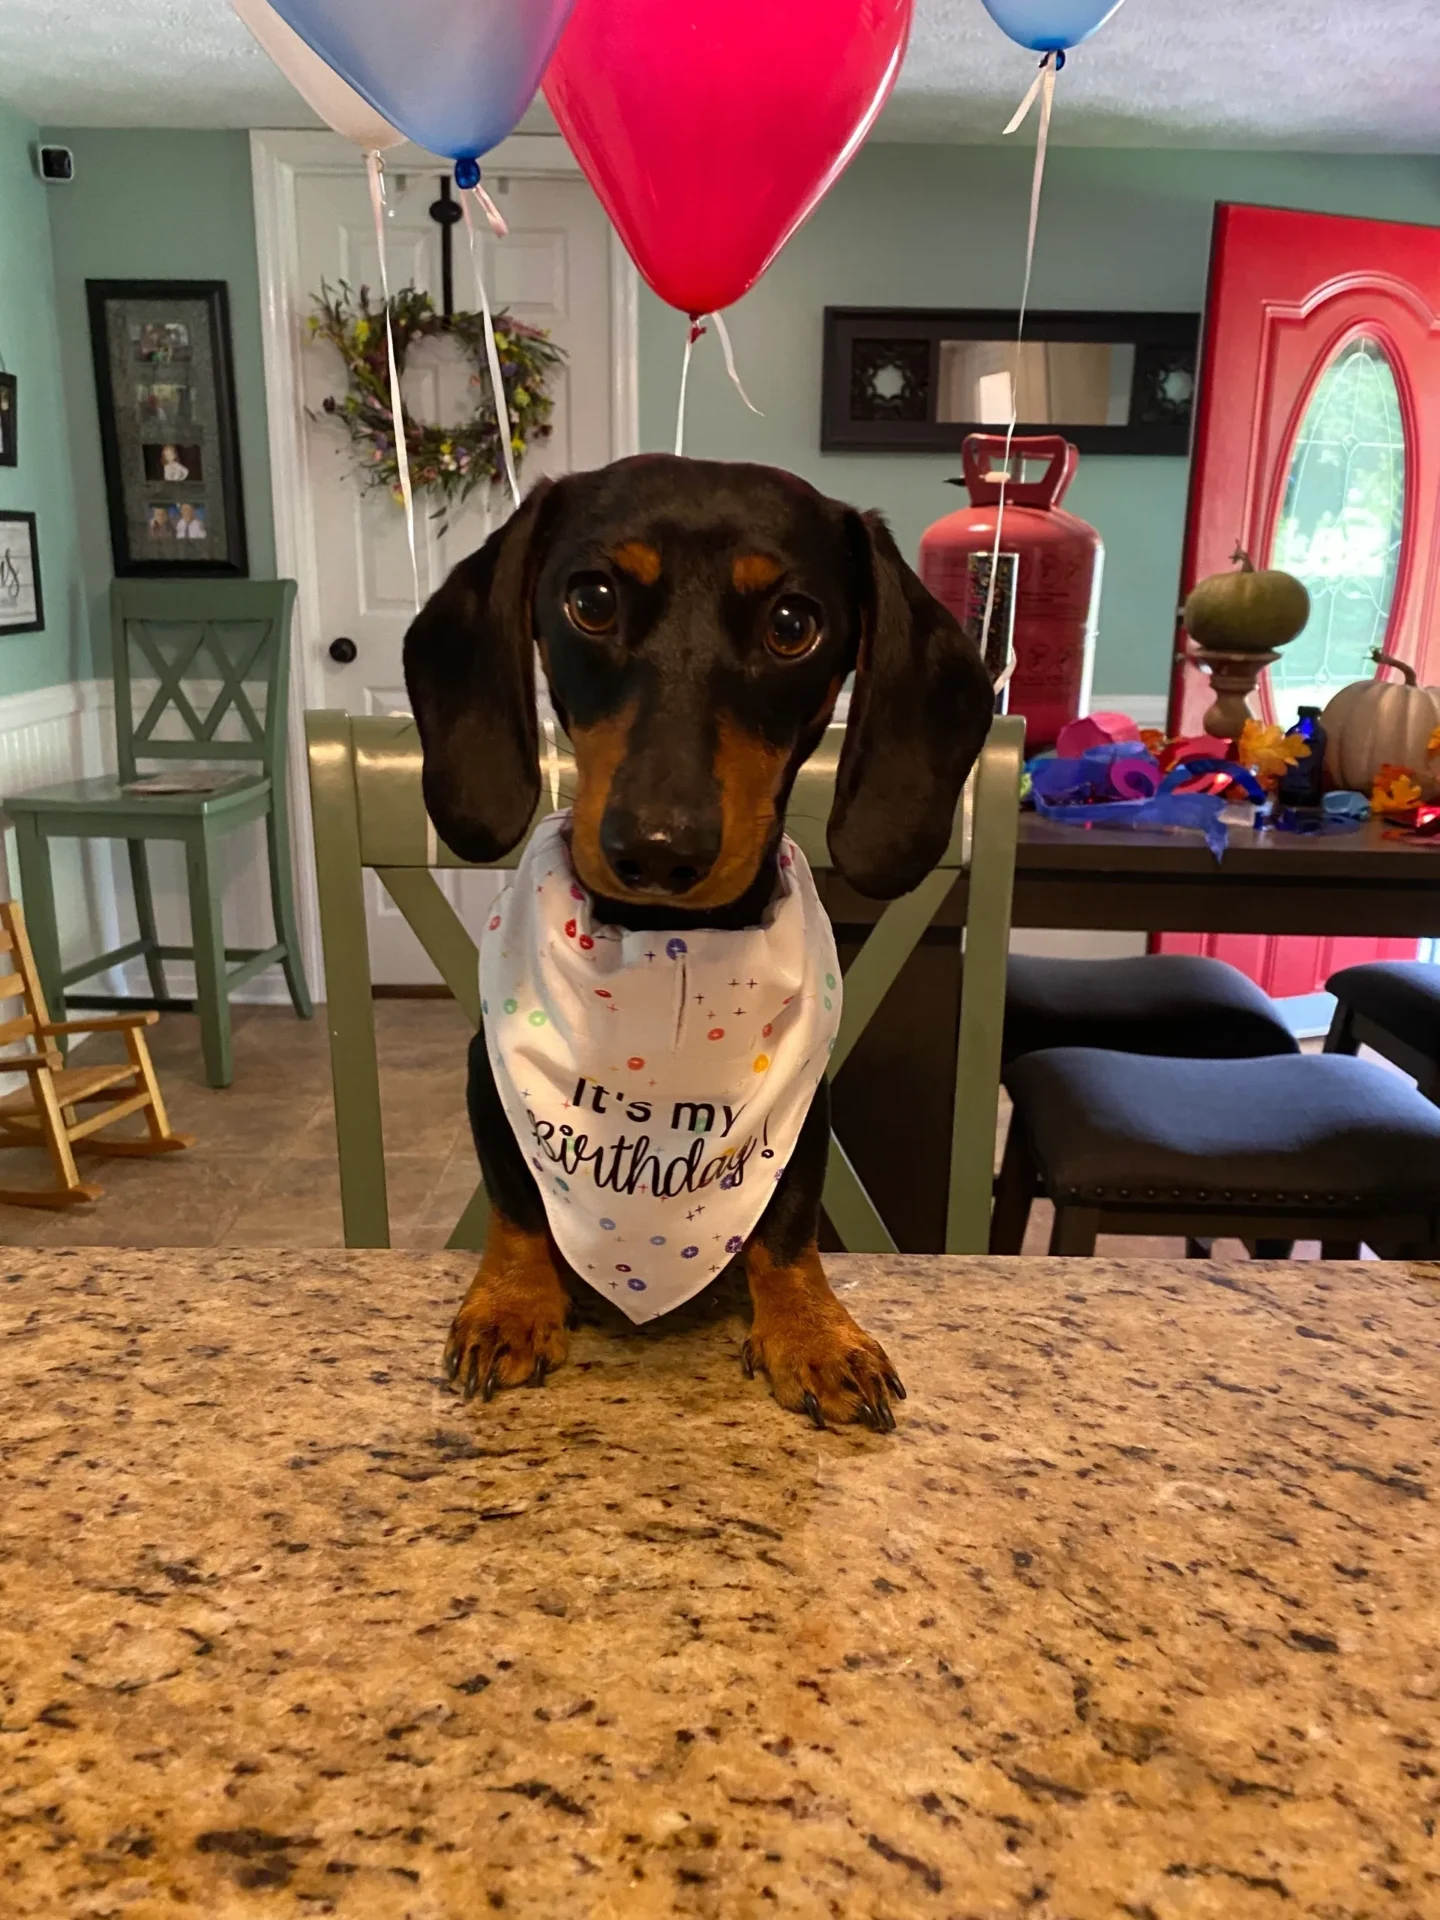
[(343, 650)]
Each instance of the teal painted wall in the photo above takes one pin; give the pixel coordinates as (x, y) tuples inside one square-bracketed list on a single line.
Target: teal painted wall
[(912, 225), (40, 483), (156, 206), (945, 226)]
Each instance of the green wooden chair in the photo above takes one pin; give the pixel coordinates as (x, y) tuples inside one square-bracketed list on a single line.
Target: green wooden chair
[(220, 645), (368, 812)]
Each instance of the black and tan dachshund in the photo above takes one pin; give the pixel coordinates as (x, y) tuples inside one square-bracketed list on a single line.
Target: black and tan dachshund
[(696, 622)]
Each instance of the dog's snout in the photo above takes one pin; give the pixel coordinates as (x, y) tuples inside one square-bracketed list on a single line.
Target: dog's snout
[(671, 856)]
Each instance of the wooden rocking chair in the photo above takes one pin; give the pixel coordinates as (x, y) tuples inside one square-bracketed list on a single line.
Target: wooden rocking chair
[(45, 1114)]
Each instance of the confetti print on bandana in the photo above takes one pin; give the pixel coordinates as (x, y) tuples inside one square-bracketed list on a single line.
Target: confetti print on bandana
[(676, 949)]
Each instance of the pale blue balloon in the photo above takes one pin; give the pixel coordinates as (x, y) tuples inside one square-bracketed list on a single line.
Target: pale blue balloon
[(1049, 26), (455, 75)]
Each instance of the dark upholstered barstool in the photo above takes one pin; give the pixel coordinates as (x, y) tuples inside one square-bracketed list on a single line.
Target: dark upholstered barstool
[(1392, 1006), (1179, 1005), (1294, 1147)]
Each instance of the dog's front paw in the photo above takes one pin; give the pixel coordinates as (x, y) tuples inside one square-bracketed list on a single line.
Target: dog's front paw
[(511, 1329), (826, 1366)]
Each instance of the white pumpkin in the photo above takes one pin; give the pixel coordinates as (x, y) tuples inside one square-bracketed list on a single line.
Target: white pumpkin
[(1376, 723)]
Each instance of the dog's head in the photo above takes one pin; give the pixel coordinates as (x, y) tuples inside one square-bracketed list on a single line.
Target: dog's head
[(696, 621)]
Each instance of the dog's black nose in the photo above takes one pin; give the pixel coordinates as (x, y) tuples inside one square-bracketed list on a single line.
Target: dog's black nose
[(669, 857)]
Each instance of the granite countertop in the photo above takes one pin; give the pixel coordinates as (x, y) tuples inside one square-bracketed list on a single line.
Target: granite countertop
[(1137, 1615)]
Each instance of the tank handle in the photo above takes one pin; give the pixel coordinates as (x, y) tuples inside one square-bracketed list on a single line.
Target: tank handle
[(1048, 491)]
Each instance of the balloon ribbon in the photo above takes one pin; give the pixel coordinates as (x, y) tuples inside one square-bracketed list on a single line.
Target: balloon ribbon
[(375, 167), (694, 332), (496, 221), (1043, 89)]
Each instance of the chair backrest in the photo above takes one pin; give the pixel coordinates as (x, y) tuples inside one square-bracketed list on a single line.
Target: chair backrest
[(20, 980), (369, 813), (201, 670)]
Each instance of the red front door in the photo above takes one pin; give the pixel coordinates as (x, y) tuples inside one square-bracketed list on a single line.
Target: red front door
[(1317, 448)]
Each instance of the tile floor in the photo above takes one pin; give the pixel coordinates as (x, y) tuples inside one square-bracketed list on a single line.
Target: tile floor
[(263, 1171)]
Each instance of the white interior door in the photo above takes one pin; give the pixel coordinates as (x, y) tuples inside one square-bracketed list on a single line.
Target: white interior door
[(556, 271)]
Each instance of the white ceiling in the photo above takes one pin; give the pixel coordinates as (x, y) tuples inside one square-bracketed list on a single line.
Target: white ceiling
[(1355, 75)]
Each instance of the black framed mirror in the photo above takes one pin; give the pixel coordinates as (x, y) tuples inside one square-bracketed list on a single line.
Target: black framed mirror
[(919, 379)]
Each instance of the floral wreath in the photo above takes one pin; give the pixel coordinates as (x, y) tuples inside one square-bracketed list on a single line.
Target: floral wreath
[(451, 461)]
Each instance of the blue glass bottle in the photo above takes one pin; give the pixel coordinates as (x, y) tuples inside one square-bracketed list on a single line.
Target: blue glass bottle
[(1303, 785)]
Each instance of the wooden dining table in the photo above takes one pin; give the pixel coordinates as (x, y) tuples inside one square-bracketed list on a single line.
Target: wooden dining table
[(1138, 1613), (1267, 882)]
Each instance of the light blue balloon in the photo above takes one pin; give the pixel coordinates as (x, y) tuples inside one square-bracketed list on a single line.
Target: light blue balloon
[(455, 75), (1048, 26)]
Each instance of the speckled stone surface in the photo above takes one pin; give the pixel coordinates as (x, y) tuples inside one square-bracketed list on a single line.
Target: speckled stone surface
[(1137, 1615)]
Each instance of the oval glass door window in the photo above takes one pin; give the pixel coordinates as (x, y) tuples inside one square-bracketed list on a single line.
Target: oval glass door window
[(1341, 525)]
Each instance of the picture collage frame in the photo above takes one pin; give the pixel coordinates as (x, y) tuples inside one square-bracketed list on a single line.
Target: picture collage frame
[(169, 434)]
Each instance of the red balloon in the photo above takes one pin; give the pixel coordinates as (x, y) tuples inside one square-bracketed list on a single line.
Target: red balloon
[(711, 128)]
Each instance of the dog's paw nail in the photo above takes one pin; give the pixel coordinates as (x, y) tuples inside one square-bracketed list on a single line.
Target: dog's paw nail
[(747, 1361), (811, 1406), (542, 1367), (472, 1378), (896, 1386), (881, 1413), (492, 1380)]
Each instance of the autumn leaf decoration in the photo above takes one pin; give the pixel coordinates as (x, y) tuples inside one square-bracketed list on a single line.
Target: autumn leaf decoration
[(1269, 752), (1395, 791)]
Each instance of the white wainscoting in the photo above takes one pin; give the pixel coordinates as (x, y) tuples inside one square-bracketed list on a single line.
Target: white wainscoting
[(68, 733)]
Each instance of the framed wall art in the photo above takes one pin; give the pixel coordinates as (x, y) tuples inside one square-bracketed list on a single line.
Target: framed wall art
[(165, 383), (919, 379), (9, 421), (22, 609)]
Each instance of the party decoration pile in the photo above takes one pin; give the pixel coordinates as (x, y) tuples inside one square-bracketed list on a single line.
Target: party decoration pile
[(1120, 784), (451, 461)]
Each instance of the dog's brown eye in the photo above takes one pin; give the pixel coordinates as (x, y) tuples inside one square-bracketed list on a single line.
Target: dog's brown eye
[(592, 604), (794, 626)]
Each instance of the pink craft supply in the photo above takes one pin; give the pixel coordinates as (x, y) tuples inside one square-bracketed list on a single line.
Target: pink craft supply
[(1096, 730)]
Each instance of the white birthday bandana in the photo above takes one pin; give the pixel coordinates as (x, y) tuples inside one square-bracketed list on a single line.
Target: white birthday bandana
[(657, 1083)]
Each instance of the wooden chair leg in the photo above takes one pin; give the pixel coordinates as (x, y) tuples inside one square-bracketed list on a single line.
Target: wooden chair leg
[(139, 854), (1014, 1193), (52, 1126), (282, 899), (212, 993), (1075, 1231), (162, 1139)]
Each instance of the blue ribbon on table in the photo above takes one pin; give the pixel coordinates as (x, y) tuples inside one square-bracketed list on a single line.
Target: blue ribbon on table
[(1073, 792)]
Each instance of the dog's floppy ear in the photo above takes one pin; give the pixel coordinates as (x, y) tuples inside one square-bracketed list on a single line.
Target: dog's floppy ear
[(919, 713), (470, 672)]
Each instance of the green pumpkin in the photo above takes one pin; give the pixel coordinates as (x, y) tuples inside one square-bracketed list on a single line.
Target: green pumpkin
[(1248, 611)]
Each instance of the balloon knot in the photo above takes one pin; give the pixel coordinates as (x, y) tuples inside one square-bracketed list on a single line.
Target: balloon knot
[(696, 330), (467, 173)]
